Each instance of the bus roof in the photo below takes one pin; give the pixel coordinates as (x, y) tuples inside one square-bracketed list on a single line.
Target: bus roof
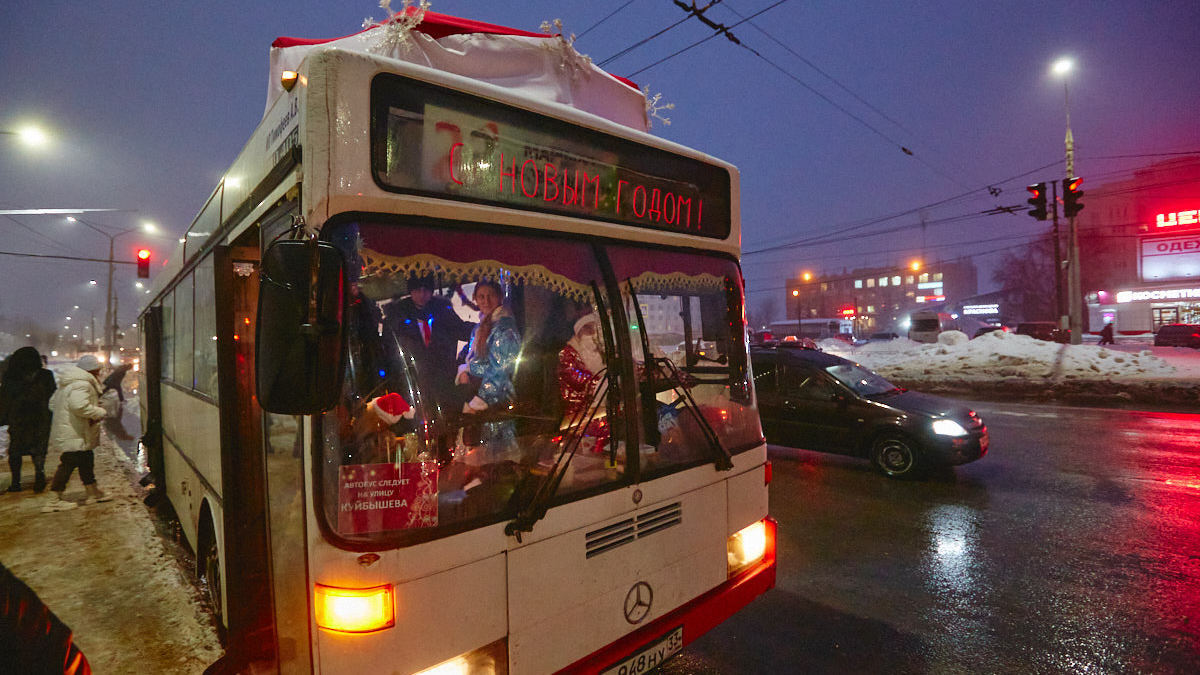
[(513, 58)]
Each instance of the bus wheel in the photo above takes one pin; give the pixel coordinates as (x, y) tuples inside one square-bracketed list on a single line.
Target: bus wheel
[(210, 560), (896, 455)]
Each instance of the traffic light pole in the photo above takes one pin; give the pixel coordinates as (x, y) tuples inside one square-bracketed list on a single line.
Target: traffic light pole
[(108, 303), (1058, 261), (1075, 298)]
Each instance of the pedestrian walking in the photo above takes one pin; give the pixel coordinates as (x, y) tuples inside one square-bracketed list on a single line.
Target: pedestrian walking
[(76, 432), (1106, 334), (113, 381), (25, 391)]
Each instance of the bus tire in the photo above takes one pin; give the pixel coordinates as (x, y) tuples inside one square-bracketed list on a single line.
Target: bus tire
[(208, 560), (896, 455)]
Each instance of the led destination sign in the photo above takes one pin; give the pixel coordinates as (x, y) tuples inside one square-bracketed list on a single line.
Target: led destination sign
[(428, 140)]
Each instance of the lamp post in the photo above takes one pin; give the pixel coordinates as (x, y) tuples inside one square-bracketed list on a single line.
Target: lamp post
[(110, 319), (1062, 68)]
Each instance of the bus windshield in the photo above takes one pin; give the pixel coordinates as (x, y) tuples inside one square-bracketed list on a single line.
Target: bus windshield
[(477, 359)]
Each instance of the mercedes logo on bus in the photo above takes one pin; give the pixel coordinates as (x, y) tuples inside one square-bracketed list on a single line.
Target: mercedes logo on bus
[(638, 601)]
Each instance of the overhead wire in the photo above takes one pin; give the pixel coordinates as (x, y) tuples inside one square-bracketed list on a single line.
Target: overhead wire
[(606, 18), (700, 42)]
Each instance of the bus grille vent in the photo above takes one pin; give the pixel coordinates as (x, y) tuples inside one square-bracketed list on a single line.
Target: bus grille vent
[(643, 525)]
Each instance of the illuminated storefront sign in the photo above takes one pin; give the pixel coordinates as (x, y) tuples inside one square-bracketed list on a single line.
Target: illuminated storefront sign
[(1171, 258), (1159, 294), (1177, 218), (981, 309), (930, 284), (931, 298)]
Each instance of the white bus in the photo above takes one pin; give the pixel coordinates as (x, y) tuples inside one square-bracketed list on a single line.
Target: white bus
[(346, 516)]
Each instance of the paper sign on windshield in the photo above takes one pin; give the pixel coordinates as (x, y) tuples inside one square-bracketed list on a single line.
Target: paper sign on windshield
[(381, 497)]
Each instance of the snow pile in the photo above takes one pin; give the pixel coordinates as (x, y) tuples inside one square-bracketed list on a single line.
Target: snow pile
[(1000, 356)]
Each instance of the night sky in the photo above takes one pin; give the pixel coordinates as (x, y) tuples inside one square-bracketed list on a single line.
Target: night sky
[(148, 103)]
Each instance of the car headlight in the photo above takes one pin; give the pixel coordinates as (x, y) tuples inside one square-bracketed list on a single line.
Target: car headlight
[(948, 428)]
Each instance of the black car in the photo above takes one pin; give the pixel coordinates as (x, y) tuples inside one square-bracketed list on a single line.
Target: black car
[(1178, 335), (1044, 330), (817, 401)]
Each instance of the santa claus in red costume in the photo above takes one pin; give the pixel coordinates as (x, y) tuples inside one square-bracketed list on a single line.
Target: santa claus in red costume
[(578, 363)]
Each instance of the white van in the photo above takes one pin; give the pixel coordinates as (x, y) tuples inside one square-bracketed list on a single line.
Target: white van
[(925, 326)]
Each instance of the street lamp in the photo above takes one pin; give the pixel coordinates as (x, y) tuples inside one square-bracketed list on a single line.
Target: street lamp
[(1063, 68), (31, 136)]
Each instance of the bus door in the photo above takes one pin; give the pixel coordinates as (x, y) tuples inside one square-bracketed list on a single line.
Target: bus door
[(150, 398), (263, 466)]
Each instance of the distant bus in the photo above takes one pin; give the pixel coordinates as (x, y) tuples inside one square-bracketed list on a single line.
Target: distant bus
[(345, 520), (815, 328), (927, 325)]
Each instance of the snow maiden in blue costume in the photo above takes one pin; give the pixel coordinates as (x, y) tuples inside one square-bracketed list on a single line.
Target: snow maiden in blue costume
[(495, 346)]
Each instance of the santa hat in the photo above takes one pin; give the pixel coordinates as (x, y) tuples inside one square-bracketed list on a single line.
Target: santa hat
[(585, 320), (391, 407)]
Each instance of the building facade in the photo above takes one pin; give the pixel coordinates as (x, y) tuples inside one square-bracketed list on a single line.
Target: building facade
[(1139, 244), (881, 298)]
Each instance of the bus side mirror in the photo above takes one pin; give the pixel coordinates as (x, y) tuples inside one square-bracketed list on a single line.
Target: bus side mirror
[(298, 345)]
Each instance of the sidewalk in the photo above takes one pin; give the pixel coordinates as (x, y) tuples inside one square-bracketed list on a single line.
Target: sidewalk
[(103, 569)]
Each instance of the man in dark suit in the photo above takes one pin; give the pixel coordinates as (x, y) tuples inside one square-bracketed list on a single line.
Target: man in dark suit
[(429, 329)]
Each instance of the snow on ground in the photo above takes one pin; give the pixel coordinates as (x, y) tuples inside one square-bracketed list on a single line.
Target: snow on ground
[(1000, 356), (106, 571)]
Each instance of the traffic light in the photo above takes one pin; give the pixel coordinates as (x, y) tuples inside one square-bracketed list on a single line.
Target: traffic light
[(1071, 195), (143, 263), (1037, 201)]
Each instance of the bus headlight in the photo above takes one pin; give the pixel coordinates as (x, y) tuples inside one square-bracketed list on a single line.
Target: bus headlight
[(747, 547), (491, 659), (354, 610)]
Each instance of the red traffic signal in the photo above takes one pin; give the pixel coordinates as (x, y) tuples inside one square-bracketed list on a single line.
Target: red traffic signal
[(1071, 195), (143, 263), (847, 312), (1037, 201)]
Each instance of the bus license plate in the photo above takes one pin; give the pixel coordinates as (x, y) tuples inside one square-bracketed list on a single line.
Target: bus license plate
[(650, 657)]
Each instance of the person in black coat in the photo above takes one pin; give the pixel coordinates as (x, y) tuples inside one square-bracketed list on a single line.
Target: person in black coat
[(429, 329), (113, 381), (25, 391)]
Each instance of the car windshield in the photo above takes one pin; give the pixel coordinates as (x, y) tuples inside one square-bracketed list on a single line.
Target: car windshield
[(862, 381)]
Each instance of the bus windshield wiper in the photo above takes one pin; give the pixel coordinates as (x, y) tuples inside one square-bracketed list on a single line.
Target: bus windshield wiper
[(573, 433), (568, 444), (662, 372)]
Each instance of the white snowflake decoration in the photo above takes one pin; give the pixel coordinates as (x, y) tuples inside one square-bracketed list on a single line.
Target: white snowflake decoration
[(653, 108), (397, 27), (571, 61)]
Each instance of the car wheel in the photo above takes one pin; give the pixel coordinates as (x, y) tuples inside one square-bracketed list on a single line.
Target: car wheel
[(896, 455)]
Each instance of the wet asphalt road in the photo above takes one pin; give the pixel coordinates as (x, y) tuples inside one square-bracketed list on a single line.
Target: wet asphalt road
[(1072, 547)]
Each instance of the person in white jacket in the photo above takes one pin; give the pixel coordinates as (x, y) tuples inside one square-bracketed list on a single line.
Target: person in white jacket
[(75, 430)]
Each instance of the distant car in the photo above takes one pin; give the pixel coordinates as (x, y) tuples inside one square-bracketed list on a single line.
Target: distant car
[(1178, 335), (763, 338), (984, 330), (793, 342), (818, 401), (844, 337), (1044, 330), (882, 337)]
